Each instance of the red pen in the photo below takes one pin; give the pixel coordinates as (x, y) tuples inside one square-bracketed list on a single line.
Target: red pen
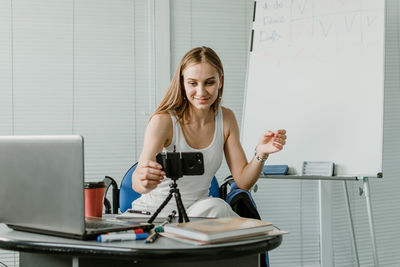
[(136, 231)]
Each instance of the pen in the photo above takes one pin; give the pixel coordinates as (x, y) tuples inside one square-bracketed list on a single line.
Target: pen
[(156, 234), (153, 237), (136, 231), (121, 237), (140, 212)]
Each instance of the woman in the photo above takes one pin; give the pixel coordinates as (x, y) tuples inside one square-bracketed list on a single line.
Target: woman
[(190, 118)]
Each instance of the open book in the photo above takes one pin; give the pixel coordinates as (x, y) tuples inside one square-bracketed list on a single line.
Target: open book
[(219, 229)]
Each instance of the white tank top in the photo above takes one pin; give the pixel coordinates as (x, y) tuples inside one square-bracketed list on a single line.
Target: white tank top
[(192, 188)]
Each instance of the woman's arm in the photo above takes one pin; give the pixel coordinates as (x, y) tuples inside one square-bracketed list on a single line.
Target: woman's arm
[(148, 173), (246, 173)]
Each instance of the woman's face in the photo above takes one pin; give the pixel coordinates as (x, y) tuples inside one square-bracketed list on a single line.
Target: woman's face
[(201, 82)]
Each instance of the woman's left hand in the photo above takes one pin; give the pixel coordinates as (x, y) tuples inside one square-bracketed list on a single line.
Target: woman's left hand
[(271, 142)]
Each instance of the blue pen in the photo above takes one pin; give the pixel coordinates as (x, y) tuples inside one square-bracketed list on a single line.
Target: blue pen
[(112, 237)]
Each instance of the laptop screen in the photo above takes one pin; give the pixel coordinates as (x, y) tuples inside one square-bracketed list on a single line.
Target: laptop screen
[(42, 178)]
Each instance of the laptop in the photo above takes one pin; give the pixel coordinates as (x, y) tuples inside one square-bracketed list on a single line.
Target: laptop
[(42, 188)]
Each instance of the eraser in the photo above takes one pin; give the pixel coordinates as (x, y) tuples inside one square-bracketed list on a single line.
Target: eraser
[(275, 169)]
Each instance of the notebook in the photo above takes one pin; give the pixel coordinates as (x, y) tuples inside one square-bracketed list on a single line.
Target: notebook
[(188, 240), (42, 182), (220, 229)]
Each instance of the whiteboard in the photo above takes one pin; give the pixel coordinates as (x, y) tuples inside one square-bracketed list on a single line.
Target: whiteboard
[(316, 70)]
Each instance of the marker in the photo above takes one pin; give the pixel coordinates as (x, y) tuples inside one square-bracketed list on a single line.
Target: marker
[(153, 237), (140, 212), (136, 231), (121, 237)]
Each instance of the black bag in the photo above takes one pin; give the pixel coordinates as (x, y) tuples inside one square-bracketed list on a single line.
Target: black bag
[(243, 204)]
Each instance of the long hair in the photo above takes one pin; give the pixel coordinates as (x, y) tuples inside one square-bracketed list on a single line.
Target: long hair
[(174, 98)]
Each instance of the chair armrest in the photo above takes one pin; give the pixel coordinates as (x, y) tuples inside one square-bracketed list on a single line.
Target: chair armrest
[(107, 206), (223, 189), (109, 181)]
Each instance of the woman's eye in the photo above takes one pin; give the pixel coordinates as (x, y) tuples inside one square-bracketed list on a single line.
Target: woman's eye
[(210, 83), (192, 83)]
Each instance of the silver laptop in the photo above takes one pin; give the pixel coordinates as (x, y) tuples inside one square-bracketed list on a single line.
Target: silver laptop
[(41, 187)]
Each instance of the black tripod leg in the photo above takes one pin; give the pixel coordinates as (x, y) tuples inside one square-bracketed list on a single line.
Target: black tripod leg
[(165, 202), (181, 208), (180, 218)]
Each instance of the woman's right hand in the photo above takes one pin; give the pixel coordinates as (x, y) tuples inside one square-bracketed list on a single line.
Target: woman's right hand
[(148, 174)]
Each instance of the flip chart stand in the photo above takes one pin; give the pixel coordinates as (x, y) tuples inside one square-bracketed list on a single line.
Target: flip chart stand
[(366, 190), (353, 239), (371, 220)]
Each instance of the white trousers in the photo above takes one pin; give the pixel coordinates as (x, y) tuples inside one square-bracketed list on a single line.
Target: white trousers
[(206, 207), (210, 207)]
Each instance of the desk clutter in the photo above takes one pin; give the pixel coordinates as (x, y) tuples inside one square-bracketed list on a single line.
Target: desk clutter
[(199, 232)]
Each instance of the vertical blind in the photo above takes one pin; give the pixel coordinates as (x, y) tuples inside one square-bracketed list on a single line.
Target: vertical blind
[(6, 112), (104, 84), (76, 67), (42, 66), (6, 95)]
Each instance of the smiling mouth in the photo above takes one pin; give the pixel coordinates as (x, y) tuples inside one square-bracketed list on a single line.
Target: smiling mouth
[(202, 99)]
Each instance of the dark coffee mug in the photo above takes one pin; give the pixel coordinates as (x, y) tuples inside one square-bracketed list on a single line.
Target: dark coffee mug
[(94, 197)]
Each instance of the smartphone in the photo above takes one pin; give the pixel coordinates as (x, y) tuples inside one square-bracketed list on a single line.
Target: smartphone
[(177, 164)]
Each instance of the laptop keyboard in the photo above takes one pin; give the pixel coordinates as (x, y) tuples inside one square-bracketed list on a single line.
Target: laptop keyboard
[(101, 224)]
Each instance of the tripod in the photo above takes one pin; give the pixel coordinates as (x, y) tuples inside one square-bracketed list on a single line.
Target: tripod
[(181, 209)]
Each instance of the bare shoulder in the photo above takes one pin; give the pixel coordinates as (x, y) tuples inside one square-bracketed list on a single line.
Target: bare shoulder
[(229, 116), (230, 123), (160, 126), (162, 119)]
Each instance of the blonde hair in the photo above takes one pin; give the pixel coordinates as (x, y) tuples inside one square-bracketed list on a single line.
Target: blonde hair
[(175, 96)]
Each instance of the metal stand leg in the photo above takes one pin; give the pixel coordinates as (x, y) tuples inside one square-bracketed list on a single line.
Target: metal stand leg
[(325, 217), (174, 191), (354, 242), (75, 261), (371, 222), (165, 202), (181, 209)]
